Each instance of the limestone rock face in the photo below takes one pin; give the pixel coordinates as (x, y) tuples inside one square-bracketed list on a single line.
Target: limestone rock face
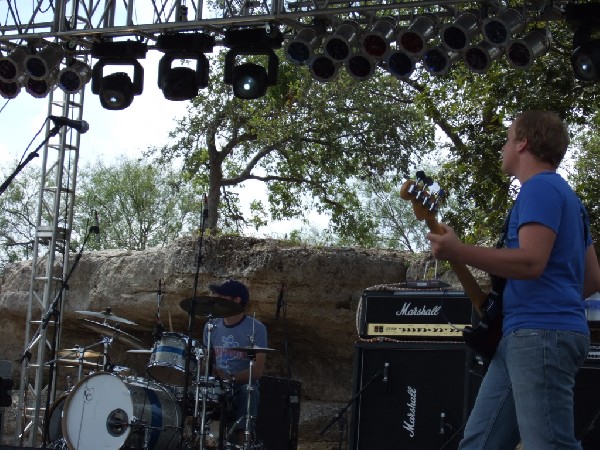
[(313, 340)]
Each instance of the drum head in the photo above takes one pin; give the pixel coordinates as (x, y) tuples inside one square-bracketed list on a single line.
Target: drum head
[(97, 413)]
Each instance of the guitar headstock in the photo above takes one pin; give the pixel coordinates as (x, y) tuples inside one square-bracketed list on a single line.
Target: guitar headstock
[(425, 195)]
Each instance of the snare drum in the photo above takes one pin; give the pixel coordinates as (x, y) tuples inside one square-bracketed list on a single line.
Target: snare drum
[(106, 411), (167, 362)]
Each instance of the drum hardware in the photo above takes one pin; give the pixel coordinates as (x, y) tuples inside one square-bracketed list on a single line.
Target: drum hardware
[(81, 352), (106, 315)]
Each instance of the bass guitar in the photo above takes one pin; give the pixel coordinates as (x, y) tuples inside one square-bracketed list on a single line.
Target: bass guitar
[(482, 338)]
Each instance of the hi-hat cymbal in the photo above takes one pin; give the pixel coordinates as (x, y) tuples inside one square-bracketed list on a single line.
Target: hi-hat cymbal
[(251, 350), (214, 306), (106, 315), (117, 334), (143, 351), (75, 353)]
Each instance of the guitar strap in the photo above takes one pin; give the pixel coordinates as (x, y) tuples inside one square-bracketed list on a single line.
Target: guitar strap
[(498, 283)]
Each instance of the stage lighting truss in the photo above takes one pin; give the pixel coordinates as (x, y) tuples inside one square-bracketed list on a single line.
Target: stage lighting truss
[(250, 80), (116, 90), (183, 83)]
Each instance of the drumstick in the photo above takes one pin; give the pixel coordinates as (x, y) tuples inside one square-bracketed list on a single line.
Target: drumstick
[(170, 323)]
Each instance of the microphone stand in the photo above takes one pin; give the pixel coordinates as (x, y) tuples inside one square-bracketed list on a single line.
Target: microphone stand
[(188, 356), (340, 417), (53, 311), (282, 303), (34, 154)]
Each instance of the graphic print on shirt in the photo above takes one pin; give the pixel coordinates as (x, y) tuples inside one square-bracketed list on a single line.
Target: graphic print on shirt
[(224, 354)]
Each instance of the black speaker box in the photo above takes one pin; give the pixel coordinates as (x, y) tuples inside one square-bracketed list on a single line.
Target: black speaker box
[(424, 402), (587, 405), (278, 413)]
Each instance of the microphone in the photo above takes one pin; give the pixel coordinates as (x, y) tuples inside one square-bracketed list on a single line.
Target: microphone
[(79, 125), (386, 379)]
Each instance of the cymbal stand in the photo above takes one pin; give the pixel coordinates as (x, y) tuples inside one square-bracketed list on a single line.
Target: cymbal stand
[(204, 388), (192, 314), (250, 388)]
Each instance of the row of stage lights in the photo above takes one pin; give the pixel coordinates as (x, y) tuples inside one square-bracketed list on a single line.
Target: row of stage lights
[(477, 41)]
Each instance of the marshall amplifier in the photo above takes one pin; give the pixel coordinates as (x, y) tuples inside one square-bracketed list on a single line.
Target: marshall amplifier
[(413, 314)]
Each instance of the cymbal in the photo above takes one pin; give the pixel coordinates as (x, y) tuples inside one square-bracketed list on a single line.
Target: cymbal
[(74, 352), (66, 362), (117, 334), (141, 351), (106, 315), (214, 306), (253, 349)]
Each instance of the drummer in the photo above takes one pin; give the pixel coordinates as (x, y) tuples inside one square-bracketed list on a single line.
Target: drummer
[(238, 330)]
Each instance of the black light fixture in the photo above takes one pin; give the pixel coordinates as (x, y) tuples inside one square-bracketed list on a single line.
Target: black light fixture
[(360, 66), (500, 29), (521, 53), (400, 63), (43, 63), (323, 68), (339, 46), (301, 48), (116, 90), (376, 42), (250, 80), (585, 59), (478, 58), (437, 60), (10, 90), (40, 88), (457, 36), (73, 77), (413, 40), (12, 65), (183, 83)]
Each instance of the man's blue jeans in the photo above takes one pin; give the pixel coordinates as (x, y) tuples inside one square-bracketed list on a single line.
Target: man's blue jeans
[(527, 393)]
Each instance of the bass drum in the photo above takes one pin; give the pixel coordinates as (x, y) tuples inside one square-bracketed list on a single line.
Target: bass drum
[(106, 411)]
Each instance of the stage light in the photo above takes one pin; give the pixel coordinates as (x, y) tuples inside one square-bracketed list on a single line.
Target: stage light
[(323, 68), (400, 64), (500, 29), (585, 20), (40, 88), (183, 83), (478, 58), (11, 66), (116, 90), (586, 61), (40, 64), (521, 53), (414, 39), (360, 66), (457, 36), (10, 90), (376, 42), (437, 60), (250, 80), (339, 45), (74, 77), (301, 49)]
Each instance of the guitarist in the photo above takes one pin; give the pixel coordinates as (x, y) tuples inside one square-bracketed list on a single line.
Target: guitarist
[(550, 266)]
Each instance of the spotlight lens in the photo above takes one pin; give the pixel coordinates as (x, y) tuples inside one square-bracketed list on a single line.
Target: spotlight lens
[(359, 66), (496, 32), (116, 91), (337, 49), (476, 59), (400, 64), (36, 67), (9, 90), (412, 42), (298, 52), (586, 61), (519, 54), (455, 38), (323, 68), (249, 81), (435, 61), (69, 81), (8, 70), (37, 88), (375, 46)]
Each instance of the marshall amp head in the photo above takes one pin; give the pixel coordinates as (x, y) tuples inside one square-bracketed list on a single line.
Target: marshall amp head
[(413, 314)]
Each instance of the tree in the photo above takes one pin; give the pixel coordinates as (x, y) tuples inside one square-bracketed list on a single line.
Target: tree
[(140, 204), (305, 140)]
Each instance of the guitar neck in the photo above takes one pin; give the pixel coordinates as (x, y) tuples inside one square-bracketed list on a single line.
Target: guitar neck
[(464, 275)]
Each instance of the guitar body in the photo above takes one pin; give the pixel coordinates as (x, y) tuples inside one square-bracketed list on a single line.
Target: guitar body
[(483, 338)]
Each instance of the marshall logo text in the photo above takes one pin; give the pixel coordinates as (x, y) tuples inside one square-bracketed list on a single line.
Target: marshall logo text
[(416, 311), (411, 415)]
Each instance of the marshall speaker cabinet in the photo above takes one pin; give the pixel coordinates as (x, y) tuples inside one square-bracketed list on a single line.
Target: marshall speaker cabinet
[(411, 314), (410, 396)]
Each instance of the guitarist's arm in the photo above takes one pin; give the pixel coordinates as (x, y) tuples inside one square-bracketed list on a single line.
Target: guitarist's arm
[(526, 262)]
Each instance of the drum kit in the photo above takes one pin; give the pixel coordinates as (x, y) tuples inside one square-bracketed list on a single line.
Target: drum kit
[(111, 408)]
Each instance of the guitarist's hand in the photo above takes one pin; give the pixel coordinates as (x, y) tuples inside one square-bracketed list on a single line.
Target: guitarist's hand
[(444, 244)]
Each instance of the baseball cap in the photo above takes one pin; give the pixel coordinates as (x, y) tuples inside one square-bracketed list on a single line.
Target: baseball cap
[(231, 288)]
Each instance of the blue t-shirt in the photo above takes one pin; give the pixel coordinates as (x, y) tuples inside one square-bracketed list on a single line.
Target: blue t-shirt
[(224, 337), (555, 299)]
